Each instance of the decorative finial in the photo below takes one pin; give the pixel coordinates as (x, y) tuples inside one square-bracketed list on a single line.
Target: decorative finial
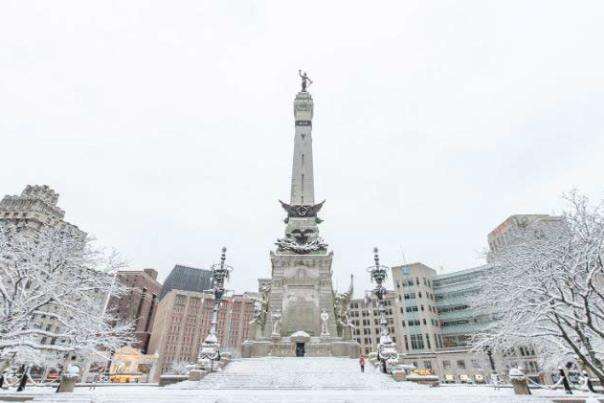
[(223, 256), (306, 81), (376, 257)]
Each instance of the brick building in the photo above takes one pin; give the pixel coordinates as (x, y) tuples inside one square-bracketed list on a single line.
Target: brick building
[(139, 303), (183, 320)]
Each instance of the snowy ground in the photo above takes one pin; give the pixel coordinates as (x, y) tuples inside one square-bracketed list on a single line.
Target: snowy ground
[(292, 380)]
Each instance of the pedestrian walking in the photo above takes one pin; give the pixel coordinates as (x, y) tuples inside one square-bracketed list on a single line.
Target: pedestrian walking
[(362, 363), (590, 385), (565, 382), (23, 381)]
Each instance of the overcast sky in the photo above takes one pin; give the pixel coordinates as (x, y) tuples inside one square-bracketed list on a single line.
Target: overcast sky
[(167, 126)]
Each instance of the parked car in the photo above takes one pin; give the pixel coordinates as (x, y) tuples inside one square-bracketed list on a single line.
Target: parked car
[(463, 378), (449, 378), (478, 378)]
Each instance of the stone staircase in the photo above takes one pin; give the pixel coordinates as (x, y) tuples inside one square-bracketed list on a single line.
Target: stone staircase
[(291, 380), (293, 373)]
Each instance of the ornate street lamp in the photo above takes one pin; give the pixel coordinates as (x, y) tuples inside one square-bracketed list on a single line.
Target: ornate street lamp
[(386, 348), (210, 348)]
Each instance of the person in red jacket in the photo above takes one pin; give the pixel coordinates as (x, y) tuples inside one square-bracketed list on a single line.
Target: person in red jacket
[(362, 363)]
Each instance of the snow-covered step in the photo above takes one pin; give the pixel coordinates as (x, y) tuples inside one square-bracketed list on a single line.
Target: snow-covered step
[(276, 396), (309, 373), (293, 380)]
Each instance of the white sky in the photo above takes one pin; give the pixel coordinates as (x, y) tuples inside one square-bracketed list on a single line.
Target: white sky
[(167, 126)]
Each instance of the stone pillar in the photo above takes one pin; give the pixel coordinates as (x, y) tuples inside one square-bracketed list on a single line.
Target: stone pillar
[(519, 382), (69, 379)]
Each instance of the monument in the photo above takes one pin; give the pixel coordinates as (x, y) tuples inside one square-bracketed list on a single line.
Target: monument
[(298, 312)]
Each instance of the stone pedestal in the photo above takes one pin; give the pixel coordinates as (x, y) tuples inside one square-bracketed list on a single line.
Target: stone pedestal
[(313, 347), (171, 379), (521, 387), (196, 374), (69, 379), (399, 375), (67, 385)]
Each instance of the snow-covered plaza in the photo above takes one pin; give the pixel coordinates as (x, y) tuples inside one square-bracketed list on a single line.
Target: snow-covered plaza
[(290, 380)]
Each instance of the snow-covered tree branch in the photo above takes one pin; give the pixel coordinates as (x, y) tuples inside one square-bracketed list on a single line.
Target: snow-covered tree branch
[(53, 288), (547, 289)]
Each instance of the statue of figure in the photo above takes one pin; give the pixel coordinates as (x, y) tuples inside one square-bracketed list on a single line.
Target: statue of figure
[(341, 305), (276, 323), (261, 309), (324, 317), (306, 81)]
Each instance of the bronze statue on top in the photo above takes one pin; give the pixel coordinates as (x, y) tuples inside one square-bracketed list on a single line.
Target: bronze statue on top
[(306, 81)]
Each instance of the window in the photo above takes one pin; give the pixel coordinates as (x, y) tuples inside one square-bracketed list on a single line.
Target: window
[(411, 308), (475, 364), (428, 364), (428, 340), (446, 364), (414, 322), (461, 364), (417, 342), (406, 343)]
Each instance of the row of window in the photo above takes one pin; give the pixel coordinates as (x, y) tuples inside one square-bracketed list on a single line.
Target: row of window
[(410, 283), (414, 308), (412, 295), (417, 341), (416, 322)]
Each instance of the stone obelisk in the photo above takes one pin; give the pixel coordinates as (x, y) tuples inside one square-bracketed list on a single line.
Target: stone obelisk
[(301, 265), (300, 289)]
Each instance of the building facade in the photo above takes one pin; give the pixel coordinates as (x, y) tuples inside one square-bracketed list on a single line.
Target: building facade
[(34, 209), (183, 320), (431, 320), (139, 303), (187, 278), (365, 318), (516, 227)]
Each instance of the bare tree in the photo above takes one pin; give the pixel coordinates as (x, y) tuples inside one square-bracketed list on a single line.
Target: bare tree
[(49, 276), (547, 290)]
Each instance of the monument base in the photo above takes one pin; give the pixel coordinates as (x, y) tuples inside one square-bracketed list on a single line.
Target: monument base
[(300, 346)]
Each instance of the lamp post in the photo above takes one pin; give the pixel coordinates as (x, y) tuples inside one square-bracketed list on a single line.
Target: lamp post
[(386, 348), (494, 374), (210, 348)]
